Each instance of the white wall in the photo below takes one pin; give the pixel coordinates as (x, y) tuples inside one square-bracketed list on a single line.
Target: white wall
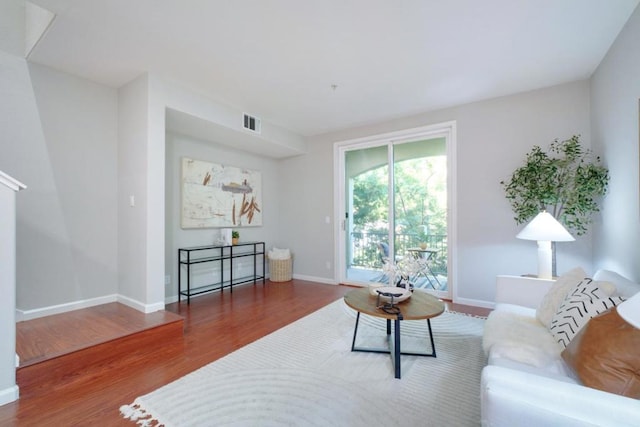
[(141, 173), (76, 224), (12, 27), (493, 138), (179, 146), (155, 143), (615, 98), (16, 104), (306, 198), (86, 149), (132, 183), (59, 134), (8, 188)]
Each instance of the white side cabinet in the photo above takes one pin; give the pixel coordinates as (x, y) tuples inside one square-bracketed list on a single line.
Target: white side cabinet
[(521, 290), (8, 189)]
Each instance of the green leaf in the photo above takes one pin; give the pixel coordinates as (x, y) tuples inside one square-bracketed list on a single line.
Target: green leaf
[(565, 180)]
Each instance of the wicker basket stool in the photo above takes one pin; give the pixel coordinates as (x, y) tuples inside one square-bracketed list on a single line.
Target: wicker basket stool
[(280, 269)]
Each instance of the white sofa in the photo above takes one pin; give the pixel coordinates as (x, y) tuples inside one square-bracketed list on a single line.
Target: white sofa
[(529, 384)]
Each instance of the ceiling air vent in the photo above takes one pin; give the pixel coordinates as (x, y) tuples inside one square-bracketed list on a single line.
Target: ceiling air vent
[(251, 123)]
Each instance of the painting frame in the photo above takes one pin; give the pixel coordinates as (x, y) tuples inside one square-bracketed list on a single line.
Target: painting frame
[(216, 195)]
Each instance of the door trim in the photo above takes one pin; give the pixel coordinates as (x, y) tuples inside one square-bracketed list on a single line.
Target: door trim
[(446, 130)]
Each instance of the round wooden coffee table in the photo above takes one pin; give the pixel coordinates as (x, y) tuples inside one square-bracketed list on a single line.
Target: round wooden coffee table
[(420, 306)]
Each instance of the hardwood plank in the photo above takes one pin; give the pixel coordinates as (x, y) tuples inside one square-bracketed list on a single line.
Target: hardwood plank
[(79, 329), (468, 309), (61, 371), (214, 325)]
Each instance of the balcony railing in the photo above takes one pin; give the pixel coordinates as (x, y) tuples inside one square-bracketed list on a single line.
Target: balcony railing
[(365, 253)]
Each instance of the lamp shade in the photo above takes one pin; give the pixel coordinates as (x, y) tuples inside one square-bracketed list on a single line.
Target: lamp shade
[(545, 227), (630, 310)]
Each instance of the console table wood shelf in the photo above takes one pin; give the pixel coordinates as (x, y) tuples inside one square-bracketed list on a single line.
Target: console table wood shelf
[(220, 253)]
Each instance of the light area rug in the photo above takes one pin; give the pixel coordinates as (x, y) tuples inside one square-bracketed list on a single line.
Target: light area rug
[(306, 375)]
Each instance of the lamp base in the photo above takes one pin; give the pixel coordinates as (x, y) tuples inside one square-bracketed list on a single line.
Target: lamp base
[(544, 259)]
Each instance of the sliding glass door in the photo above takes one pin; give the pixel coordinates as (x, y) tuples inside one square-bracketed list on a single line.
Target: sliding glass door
[(394, 198), (367, 217)]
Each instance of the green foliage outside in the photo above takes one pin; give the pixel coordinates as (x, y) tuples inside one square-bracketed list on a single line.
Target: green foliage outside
[(371, 201), (420, 203), (420, 198), (566, 181)]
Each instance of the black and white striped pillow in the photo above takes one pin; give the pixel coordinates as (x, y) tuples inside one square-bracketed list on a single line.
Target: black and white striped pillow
[(581, 304)]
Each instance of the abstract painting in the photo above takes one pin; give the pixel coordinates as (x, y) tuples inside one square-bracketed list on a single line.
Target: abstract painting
[(216, 195)]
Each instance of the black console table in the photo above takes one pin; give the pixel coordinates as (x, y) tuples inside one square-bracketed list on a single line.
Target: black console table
[(217, 253)]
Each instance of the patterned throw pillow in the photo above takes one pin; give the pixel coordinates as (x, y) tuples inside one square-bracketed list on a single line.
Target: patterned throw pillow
[(581, 304), (557, 293)]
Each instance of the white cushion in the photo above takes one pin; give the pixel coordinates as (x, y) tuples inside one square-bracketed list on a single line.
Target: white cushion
[(581, 304), (556, 295), (519, 338), (276, 253), (516, 309)]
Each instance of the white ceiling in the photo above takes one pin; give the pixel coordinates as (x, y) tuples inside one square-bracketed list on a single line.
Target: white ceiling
[(278, 59)]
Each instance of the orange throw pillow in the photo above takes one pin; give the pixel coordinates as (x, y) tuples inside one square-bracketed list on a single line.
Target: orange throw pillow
[(605, 355)]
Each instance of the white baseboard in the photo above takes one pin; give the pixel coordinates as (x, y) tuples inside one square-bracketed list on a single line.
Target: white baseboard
[(475, 302), (9, 395), (22, 315), (145, 308), (315, 279)]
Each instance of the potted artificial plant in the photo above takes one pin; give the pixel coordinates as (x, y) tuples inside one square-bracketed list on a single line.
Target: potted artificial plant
[(566, 181), (234, 237)]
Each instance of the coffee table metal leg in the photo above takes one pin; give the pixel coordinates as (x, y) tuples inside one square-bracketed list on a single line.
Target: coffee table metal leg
[(386, 350), (433, 345), (396, 349), (355, 332)]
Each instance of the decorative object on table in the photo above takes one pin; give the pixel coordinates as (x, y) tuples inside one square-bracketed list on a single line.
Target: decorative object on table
[(226, 236), (393, 294), (545, 229), (280, 265), (402, 271), (235, 236), (386, 300), (373, 286), (215, 195), (566, 181)]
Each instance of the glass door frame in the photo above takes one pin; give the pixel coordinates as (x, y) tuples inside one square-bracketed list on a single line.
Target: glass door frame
[(445, 130)]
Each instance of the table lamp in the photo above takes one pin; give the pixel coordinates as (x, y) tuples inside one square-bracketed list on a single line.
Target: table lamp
[(544, 228)]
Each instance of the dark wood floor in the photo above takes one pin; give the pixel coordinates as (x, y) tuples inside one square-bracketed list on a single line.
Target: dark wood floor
[(100, 324), (214, 325)]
